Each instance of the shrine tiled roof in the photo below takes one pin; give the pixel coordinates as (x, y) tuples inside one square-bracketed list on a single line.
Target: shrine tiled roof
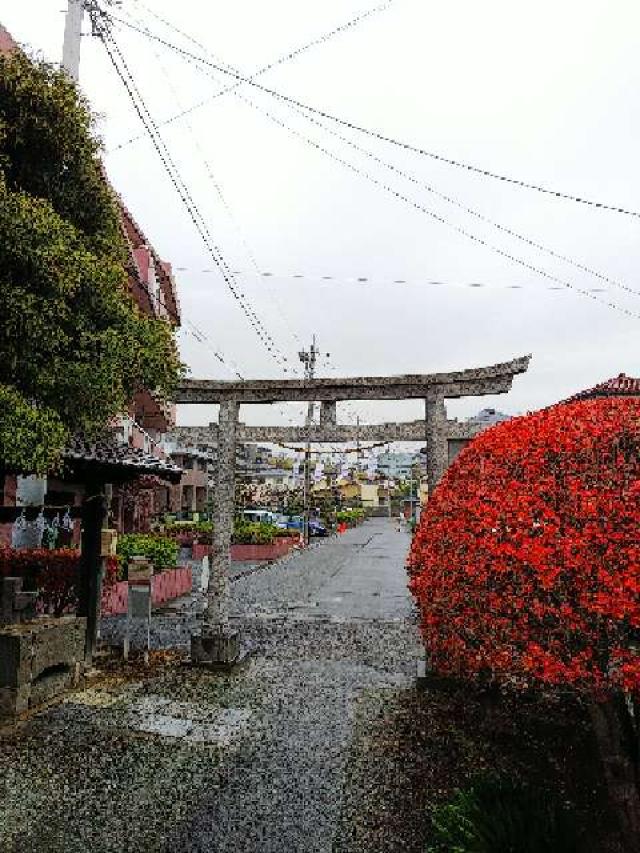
[(618, 386), (120, 459)]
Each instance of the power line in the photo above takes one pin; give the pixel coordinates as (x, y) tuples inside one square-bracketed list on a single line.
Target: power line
[(400, 196), (181, 188), (368, 279), (475, 213), (406, 146), (264, 69), (438, 218), (218, 189), (562, 284), (209, 172)]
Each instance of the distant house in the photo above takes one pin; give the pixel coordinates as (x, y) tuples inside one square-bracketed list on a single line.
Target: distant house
[(369, 495), (485, 418), (619, 386), (488, 417), (153, 287), (191, 494), (397, 466)]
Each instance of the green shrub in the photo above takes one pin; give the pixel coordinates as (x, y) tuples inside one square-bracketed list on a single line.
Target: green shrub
[(161, 550), (496, 815), (189, 527), (254, 534), (282, 532), (350, 516)]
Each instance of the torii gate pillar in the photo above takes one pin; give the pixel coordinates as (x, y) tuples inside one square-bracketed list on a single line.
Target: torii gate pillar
[(219, 646), (437, 449)]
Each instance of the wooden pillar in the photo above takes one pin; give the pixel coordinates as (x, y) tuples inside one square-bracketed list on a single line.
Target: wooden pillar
[(218, 645), (94, 511), (435, 424)]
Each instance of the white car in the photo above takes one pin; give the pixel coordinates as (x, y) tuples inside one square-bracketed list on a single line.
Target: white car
[(259, 516)]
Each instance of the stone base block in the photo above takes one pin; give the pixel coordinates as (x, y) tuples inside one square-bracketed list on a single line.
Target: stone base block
[(218, 651), (51, 685), (14, 700), (38, 661)]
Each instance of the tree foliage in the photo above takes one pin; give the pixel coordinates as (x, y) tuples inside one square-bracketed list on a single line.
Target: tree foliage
[(74, 347), (526, 564)]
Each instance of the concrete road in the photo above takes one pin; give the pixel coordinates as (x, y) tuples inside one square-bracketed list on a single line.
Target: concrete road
[(257, 761)]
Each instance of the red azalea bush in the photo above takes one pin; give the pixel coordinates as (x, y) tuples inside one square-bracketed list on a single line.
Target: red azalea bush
[(53, 573), (526, 563)]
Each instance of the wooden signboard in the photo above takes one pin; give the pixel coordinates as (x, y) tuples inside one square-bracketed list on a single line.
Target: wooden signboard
[(108, 542), (139, 570)]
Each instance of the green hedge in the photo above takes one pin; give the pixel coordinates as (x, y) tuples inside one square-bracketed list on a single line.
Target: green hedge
[(254, 534), (350, 516), (161, 550), (189, 527), (282, 532)]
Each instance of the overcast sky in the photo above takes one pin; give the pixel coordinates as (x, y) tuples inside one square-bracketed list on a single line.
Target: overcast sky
[(545, 92)]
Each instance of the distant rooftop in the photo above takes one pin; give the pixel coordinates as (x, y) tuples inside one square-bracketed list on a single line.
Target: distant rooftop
[(619, 386), (488, 416)]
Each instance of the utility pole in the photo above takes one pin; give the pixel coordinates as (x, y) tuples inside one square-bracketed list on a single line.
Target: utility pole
[(73, 31), (387, 449), (72, 36), (308, 358)]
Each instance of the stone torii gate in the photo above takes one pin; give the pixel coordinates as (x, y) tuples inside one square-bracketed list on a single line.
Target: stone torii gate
[(218, 645)]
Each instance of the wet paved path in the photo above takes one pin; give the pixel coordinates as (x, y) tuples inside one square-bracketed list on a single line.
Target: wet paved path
[(256, 761), (331, 625)]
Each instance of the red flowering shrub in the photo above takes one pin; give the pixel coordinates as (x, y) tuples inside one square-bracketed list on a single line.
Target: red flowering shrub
[(526, 563), (53, 573)]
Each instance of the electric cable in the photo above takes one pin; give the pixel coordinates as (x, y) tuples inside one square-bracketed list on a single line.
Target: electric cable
[(406, 146), (183, 192), (366, 280), (216, 185), (437, 217), (462, 231), (260, 71)]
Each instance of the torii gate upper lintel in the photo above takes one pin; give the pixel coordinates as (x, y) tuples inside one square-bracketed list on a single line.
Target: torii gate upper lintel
[(219, 645)]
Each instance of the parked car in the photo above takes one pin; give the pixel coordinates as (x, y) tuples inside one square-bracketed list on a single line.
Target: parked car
[(259, 516), (296, 522), (317, 528)]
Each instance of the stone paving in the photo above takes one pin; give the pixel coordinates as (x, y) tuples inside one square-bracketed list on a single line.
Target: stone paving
[(189, 761)]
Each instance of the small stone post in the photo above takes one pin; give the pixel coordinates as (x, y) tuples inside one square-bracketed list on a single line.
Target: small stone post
[(94, 512), (435, 423), (218, 645)]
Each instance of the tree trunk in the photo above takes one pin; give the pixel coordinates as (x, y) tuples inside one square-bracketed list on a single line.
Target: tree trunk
[(618, 744)]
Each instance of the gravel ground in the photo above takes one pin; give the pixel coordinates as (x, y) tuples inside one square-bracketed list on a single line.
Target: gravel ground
[(182, 760)]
